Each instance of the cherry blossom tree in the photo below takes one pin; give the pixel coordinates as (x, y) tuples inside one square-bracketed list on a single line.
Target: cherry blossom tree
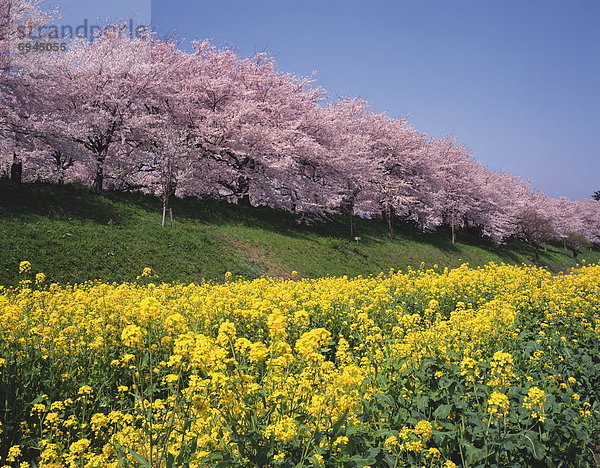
[(348, 137), (534, 221), (498, 198), (99, 95), (454, 186), (18, 18), (250, 124), (394, 158), (139, 114)]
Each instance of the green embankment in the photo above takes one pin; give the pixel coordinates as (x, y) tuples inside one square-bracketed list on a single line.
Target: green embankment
[(64, 232)]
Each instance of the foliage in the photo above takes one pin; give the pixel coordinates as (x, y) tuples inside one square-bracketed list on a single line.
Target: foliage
[(576, 243), (493, 366), (535, 228)]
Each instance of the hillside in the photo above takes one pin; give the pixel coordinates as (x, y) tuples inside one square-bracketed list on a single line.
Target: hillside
[(64, 232)]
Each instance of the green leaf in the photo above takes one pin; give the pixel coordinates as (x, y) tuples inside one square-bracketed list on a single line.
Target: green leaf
[(171, 460), (535, 447), (338, 424), (442, 411), (384, 397), (143, 461), (423, 402), (472, 453)]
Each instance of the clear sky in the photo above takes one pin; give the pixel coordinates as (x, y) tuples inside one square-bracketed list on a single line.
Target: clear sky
[(517, 81)]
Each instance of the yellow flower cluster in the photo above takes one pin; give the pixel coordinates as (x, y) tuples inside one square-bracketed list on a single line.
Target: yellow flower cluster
[(133, 336), (24, 266), (412, 440), (534, 401), (154, 372), (498, 404), (283, 430), (502, 369)]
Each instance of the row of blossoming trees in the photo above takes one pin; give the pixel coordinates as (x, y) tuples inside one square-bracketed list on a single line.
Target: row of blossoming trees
[(140, 114)]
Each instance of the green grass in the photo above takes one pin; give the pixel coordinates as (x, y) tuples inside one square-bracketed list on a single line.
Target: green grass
[(63, 231)]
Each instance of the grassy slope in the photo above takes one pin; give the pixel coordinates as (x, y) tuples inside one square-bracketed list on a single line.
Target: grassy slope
[(63, 231)]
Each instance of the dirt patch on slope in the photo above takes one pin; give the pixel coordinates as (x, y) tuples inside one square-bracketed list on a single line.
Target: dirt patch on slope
[(259, 256)]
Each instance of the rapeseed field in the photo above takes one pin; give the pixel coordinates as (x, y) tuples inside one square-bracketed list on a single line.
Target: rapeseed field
[(489, 366)]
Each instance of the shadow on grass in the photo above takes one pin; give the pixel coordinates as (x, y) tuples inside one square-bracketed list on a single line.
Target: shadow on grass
[(25, 201)]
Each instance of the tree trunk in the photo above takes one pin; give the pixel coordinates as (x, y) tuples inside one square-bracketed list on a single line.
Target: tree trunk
[(244, 200), (16, 170), (168, 192), (165, 200), (62, 164), (347, 209), (390, 220), (99, 178), (536, 252), (243, 189), (61, 175), (453, 229)]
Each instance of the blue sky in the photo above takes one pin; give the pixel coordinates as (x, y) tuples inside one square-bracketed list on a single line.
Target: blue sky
[(517, 81)]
